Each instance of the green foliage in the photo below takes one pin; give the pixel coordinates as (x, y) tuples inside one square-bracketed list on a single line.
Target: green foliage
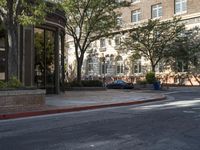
[(141, 82), (95, 19), (19, 12), (75, 84), (90, 15), (14, 83), (186, 50), (88, 21), (2, 85), (23, 11), (92, 83), (36, 9), (153, 39), (150, 77), (85, 83)]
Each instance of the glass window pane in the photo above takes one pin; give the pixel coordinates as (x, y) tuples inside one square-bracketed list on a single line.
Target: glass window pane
[(39, 58), (184, 5), (2, 54), (180, 6), (45, 59), (136, 15), (156, 10)]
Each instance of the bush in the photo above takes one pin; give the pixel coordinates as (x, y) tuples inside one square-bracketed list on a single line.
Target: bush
[(75, 84), (14, 83), (92, 83), (85, 83), (2, 85), (150, 77), (141, 82)]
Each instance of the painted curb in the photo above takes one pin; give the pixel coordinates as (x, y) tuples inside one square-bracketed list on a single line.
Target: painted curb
[(74, 109)]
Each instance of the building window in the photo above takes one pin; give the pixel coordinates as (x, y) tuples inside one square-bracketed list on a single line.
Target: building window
[(135, 1), (90, 66), (136, 16), (119, 21), (159, 67), (182, 66), (103, 66), (102, 43), (119, 65), (117, 40), (137, 67), (180, 6), (156, 11)]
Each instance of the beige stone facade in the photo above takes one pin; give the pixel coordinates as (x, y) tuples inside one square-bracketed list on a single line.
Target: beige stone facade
[(105, 59)]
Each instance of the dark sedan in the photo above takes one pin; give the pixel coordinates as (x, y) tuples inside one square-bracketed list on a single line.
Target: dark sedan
[(120, 84)]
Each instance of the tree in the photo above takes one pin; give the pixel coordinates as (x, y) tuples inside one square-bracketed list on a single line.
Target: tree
[(88, 21), (14, 13), (186, 50), (152, 39)]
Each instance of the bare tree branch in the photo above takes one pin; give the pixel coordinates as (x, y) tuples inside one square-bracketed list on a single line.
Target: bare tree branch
[(3, 12)]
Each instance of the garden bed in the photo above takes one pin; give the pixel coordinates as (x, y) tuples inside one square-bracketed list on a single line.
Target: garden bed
[(85, 85), (143, 86), (85, 89)]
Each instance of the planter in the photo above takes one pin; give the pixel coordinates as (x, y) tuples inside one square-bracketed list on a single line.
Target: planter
[(20, 98)]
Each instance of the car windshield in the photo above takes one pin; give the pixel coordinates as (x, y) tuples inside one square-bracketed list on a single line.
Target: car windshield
[(119, 82)]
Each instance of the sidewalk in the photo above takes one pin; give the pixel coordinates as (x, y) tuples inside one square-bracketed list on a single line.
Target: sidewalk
[(84, 100)]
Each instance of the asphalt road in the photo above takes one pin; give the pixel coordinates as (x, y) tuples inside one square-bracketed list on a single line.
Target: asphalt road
[(170, 125)]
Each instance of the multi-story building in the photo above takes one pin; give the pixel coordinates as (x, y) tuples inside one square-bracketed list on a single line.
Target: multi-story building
[(106, 58)]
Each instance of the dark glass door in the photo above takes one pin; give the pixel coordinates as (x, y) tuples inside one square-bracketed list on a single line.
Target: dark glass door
[(50, 61), (45, 59), (2, 53)]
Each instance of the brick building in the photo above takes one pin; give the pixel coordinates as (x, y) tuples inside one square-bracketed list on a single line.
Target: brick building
[(105, 58)]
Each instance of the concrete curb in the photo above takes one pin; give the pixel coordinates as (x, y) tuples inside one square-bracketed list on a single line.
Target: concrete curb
[(74, 109)]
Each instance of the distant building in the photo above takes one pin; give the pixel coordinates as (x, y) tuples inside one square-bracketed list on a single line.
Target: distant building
[(104, 58)]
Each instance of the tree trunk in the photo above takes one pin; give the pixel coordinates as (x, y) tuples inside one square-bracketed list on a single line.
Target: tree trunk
[(12, 48), (79, 67), (12, 40), (152, 66)]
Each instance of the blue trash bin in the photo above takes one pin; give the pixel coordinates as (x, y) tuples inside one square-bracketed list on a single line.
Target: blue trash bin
[(156, 85)]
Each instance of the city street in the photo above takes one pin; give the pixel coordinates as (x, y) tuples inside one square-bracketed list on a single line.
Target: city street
[(173, 124)]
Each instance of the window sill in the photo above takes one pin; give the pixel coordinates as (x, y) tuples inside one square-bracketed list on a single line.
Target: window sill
[(136, 23), (180, 13), (133, 3), (157, 18)]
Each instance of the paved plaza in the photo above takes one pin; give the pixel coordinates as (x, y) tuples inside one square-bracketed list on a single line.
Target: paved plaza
[(82, 100)]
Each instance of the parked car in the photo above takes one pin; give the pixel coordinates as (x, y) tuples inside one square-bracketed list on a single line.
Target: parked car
[(120, 84)]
